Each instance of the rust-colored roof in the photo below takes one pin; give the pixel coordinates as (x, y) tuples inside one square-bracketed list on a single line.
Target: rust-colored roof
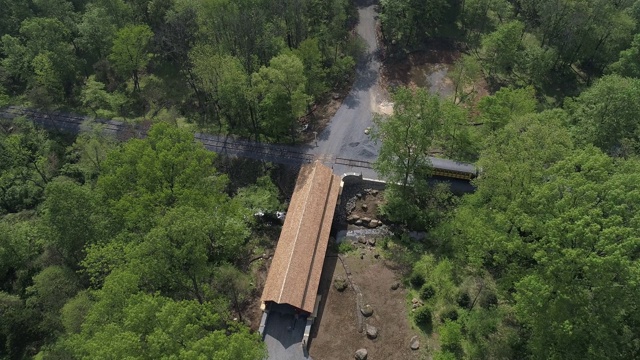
[(295, 271)]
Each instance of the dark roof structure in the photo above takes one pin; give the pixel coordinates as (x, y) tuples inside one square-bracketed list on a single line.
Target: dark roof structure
[(296, 267)]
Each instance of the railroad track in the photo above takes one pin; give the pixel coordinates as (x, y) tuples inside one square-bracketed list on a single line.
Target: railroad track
[(227, 146), (282, 154)]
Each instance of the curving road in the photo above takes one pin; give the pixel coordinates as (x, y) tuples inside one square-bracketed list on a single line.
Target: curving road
[(344, 136)]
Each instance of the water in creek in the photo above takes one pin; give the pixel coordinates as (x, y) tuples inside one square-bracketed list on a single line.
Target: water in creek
[(432, 77)]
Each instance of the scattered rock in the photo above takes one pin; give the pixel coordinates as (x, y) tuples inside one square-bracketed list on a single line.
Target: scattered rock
[(372, 332), (372, 241), (335, 96), (358, 222), (374, 192), (376, 255), (340, 283), (366, 220), (373, 224), (352, 219), (366, 310), (416, 303), (414, 343), (362, 240), (361, 354), (359, 195), (364, 207), (395, 286)]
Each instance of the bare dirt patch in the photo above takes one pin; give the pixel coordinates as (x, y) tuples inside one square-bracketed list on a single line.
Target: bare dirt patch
[(338, 331), (404, 72)]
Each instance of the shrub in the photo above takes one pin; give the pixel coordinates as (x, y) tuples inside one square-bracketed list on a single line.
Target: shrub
[(464, 301), (449, 314), (423, 316), (489, 300), (344, 247), (427, 292), (416, 280)]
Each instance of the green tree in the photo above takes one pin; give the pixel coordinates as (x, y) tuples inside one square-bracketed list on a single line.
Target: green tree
[(262, 196), (628, 64), (227, 86), (408, 22), (153, 326), (311, 56), (102, 103), (582, 260), (70, 216), (167, 169), (499, 109), (130, 51), (606, 115), (280, 92), (466, 72), (501, 49), (51, 288), (96, 31), (177, 255), (42, 58), (451, 337), (27, 164), (74, 312), (407, 137)]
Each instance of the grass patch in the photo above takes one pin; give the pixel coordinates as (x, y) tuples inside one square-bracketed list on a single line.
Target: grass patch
[(345, 247)]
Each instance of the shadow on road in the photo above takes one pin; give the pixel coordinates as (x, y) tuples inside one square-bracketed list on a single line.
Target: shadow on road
[(283, 334)]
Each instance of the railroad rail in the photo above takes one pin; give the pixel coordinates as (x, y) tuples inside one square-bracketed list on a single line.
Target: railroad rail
[(223, 145), (228, 146)]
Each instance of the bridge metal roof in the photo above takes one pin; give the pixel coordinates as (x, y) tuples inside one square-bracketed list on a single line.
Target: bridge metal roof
[(296, 267)]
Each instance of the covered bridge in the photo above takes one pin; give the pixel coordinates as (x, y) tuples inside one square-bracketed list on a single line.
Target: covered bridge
[(294, 275)]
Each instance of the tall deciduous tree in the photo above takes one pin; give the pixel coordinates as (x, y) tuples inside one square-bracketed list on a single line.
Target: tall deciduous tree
[(130, 51), (167, 169), (606, 115), (407, 137), (506, 104), (280, 92)]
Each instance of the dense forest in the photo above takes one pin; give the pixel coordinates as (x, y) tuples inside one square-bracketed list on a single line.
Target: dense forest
[(249, 67), (543, 260), (117, 251), (140, 249)]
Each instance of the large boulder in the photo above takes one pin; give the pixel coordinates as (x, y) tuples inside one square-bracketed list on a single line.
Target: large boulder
[(414, 343), (361, 354), (372, 332), (351, 219)]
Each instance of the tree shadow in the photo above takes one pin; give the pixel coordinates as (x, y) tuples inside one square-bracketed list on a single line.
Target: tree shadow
[(365, 3)]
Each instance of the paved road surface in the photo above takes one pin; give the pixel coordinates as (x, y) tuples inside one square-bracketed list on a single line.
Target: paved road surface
[(283, 334), (344, 136)]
